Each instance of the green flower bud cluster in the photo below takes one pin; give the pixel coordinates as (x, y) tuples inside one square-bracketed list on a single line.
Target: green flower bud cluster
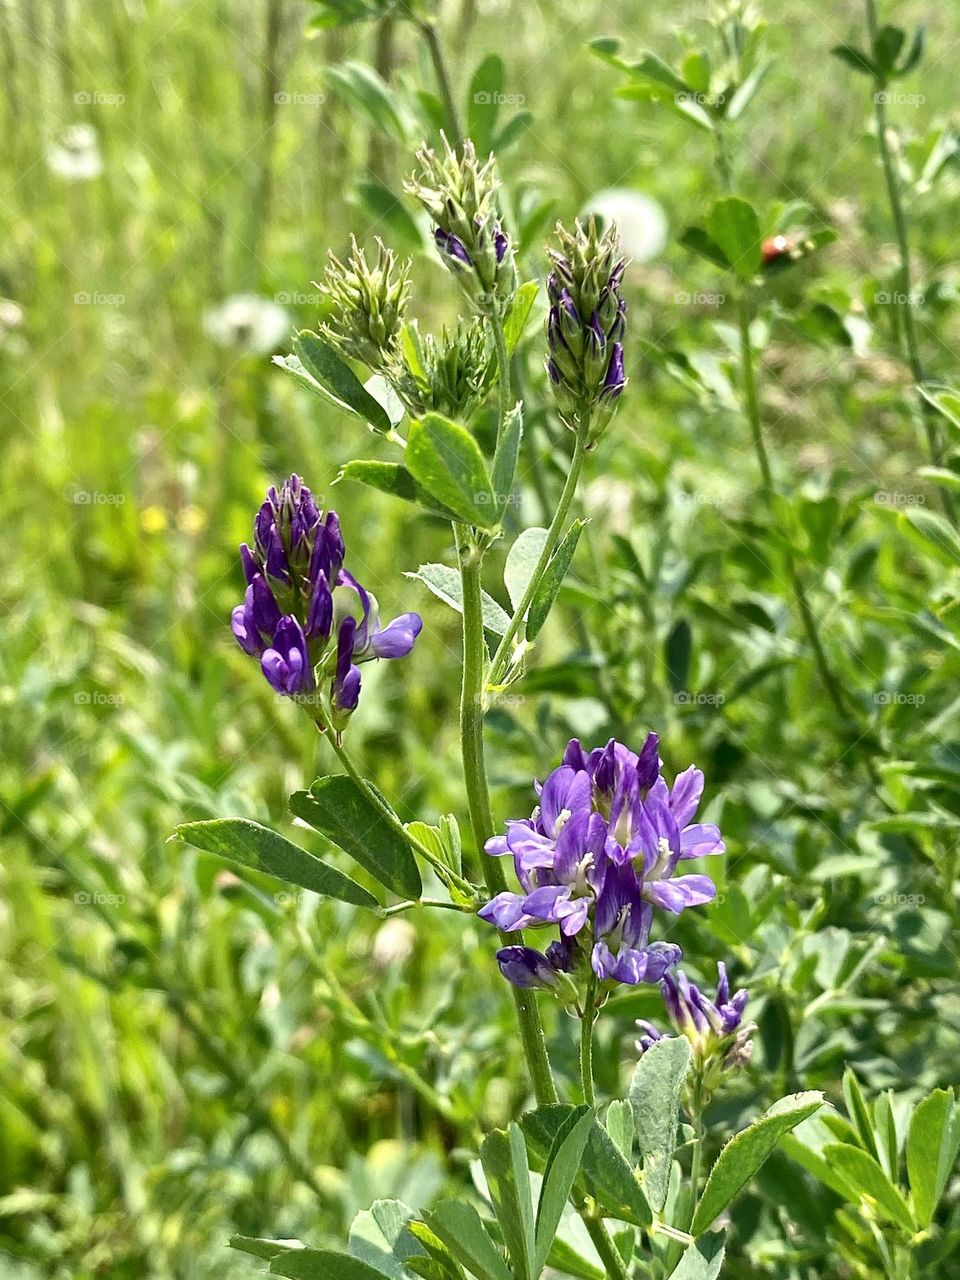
[(367, 304), (449, 374), (459, 194)]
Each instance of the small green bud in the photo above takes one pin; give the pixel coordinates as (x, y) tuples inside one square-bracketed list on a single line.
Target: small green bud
[(367, 304), (449, 374)]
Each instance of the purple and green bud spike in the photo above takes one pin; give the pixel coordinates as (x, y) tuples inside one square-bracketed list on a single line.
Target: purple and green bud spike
[(715, 1028), (459, 193), (366, 304), (307, 619), (585, 326)]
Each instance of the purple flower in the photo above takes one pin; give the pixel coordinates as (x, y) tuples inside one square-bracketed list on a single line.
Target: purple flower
[(303, 614), (712, 1026), (452, 249), (286, 664), (525, 967), (599, 852)]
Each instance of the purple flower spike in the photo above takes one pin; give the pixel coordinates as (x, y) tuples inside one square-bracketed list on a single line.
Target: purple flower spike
[(715, 1028), (286, 664), (599, 853)]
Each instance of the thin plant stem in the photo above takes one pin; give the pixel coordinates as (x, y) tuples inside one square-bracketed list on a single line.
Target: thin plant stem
[(502, 657), (615, 1266), (751, 404), (432, 40), (478, 801), (905, 300), (587, 1023), (503, 369)]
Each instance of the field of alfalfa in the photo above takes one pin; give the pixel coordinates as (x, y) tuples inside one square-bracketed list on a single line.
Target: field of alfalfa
[(745, 453)]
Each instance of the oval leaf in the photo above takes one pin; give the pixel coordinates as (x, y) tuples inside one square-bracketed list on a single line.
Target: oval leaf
[(257, 847), (445, 584), (446, 460), (746, 1152), (340, 810), (336, 380)]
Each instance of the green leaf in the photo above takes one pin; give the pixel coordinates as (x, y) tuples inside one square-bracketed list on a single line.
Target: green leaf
[(439, 1263), (676, 651), (386, 209), (445, 584), (259, 1247), (458, 1225), (658, 72), (336, 381), (559, 1175), (394, 479), (372, 94), (604, 1173), (868, 1180), (621, 1127), (379, 1236), (503, 1156), (932, 530), (942, 476), (735, 227), (914, 53), (517, 314), (483, 102), (946, 401), (343, 812), (698, 241), (701, 1260), (887, 44), (746, 92), (321, 1264), (859, 1115), (251, 845), (886, 1131), (932, 1145), (746, 1152), (522, 559), (655, 1098), (855, 58), (445, 459), (505, 458), (549, 586)]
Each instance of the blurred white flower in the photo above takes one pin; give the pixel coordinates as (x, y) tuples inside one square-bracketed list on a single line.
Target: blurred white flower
[(393, 943), (247, 322), (11, 315), (640, 220), (77, 155)]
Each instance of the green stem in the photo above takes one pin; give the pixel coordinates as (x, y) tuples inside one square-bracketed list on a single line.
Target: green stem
[(587, 1023), (435, 49), (905, 301), (478, 802), (503, 368), (502, 657), (615, 1266), (751, 403)]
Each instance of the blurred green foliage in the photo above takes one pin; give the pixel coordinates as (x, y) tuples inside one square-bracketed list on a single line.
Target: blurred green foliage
[(184, 1055)]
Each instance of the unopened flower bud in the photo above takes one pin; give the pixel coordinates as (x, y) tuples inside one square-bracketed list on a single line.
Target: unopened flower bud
[(367, 304), (448, 374), (585, 326), (459, 193)]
